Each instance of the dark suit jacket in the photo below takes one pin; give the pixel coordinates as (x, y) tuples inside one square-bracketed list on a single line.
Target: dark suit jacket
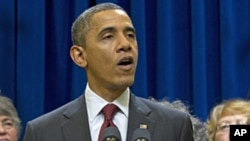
[(70, 122)]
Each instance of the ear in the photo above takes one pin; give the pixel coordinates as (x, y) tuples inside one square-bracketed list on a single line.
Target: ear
[(78, 55)]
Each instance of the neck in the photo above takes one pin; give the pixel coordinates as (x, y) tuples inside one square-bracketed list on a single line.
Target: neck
[(108, 94)]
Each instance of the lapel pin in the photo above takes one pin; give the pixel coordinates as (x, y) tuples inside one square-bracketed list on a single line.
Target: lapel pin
[(143, 126)]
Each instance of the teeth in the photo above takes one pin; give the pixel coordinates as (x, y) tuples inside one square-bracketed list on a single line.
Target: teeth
[(125, 60)]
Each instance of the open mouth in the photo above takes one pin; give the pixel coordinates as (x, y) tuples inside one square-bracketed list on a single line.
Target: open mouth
[(126, 61)]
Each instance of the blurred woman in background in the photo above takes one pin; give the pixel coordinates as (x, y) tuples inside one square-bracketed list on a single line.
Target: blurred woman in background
[(231, 112), (10, 125)]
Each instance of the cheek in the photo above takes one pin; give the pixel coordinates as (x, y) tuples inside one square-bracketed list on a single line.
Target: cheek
[(222, 137), (13, 135)]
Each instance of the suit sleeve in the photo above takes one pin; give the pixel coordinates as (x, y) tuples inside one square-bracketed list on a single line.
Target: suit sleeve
[(29, 133), (187, 130)]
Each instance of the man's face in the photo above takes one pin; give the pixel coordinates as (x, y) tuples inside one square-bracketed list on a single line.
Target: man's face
[(8, 130), (111, 51)]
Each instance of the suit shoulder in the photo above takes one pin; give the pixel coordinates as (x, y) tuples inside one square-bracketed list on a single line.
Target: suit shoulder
[(57, 114), (163, 110)]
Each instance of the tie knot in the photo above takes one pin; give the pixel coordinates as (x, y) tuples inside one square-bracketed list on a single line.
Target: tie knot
[(109, 111)]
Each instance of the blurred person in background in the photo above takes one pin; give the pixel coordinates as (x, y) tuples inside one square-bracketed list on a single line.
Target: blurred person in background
[(199, 130), (10, 124), (230, 112)]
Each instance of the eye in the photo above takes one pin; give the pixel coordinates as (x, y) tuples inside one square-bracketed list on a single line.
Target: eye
[(108, 37), (130, 35), (224, 127), (8, 124)]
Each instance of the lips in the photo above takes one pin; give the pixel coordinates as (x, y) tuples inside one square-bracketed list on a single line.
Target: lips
[(126, 63)]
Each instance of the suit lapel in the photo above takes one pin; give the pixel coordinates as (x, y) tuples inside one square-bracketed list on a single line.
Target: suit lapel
[(75, 120), (138, 116)]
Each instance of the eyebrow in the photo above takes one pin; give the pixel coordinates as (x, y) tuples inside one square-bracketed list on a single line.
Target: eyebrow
[(105, 30), (6, 119), (112, 29), (129, 28)]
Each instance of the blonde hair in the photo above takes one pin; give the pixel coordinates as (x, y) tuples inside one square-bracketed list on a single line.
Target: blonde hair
[(229, 107)]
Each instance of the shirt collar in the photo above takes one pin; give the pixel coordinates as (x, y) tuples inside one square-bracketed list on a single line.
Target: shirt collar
[(95, 103)]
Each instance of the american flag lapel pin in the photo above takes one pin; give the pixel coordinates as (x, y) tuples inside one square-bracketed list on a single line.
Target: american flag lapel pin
[(143, 126)]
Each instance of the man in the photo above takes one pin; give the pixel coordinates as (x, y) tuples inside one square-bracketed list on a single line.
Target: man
[(105, 45)]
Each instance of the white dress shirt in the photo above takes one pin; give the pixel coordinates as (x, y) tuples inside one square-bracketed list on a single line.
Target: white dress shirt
[(95, 104)]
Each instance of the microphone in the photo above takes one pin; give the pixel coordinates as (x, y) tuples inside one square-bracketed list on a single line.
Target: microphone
[(141, 134), (111, 134)]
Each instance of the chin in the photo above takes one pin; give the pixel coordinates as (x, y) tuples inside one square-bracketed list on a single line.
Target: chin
[(125, 83)]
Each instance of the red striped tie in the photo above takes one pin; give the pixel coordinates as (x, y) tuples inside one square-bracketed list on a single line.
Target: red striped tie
[(109, 111)]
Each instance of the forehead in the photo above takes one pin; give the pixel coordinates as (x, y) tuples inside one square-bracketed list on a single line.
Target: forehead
[(109, 17), (231, 118), (4, 117)]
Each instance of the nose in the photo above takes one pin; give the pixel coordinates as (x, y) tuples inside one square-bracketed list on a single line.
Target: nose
[(124, 44)]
